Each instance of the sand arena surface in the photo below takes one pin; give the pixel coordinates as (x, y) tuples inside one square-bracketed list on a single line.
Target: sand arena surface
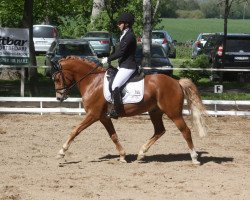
[(90, 170)]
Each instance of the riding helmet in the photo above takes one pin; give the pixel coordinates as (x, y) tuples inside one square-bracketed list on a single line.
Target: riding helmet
[(127, 18)]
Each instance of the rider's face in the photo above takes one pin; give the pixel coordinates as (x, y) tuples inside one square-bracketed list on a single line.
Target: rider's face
[(121, 25)]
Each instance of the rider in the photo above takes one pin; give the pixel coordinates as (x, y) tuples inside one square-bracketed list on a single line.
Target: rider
[(127, 64)]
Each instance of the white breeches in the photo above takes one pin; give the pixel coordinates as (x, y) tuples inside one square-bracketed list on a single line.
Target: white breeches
[(121, 77)]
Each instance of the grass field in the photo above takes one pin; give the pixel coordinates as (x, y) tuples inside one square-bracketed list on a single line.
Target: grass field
[(184, 30)]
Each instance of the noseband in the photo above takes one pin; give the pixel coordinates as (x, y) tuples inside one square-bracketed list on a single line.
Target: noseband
[(66, 88)]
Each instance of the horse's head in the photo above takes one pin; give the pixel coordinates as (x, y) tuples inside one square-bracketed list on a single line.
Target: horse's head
[(63, 81), (69, 72)]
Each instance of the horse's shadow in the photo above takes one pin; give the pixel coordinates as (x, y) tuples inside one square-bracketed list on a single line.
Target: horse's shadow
[(171, 158)]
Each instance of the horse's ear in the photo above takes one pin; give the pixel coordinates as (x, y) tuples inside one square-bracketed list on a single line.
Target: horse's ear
[(55, 65)]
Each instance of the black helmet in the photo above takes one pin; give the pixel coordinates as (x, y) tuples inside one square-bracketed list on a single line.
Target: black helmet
[(127, 18)]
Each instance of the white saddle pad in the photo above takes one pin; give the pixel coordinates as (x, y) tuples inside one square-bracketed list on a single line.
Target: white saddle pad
[(133, 91)]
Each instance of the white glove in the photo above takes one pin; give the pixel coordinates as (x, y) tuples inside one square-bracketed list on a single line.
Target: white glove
[(104, 60)]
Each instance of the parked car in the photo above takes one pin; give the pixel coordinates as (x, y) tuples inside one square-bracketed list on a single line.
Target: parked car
[(163, 37), (61, 48), (200, 42), (159, 59), (212, 41), (43, 36), (237, 56), (101, 41)]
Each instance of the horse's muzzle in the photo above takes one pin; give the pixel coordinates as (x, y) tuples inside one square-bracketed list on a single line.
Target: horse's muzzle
[(61, 99), (61, 96)]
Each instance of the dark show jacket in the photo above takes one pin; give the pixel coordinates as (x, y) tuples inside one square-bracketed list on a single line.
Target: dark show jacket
[(126, 51)]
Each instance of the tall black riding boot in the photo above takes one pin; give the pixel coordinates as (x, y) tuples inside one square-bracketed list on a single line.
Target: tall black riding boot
[(116, 105)]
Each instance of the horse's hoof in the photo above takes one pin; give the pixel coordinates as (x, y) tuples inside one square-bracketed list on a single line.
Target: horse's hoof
[(196, 162), (60, 156), (140, 157), (122, 160)]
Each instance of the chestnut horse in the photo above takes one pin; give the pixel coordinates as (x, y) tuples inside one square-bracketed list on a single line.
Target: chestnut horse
[(162, 94)]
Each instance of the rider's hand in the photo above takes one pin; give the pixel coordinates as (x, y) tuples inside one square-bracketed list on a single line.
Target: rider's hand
[(104, 60)]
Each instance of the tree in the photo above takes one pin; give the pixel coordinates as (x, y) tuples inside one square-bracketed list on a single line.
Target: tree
[(147, 28), (168, 8), (28, 23), (227, 4), (188, 5), (149, 18), (107, 19), (77, 22), (11, 13), (98, 6), (210, 9)]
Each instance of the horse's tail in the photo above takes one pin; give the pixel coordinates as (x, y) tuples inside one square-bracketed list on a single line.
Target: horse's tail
[(195, 105)]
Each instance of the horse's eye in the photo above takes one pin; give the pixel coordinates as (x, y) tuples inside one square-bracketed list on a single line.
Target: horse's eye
[(55, 79)]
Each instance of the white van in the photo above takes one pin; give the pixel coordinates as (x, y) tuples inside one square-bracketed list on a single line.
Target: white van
[(43, 36)]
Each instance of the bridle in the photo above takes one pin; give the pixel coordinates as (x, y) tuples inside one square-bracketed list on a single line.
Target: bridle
[(66, 88)]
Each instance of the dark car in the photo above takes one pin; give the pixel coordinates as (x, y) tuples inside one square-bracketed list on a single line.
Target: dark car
[(204, 43), (212, 42), (62, 48), (159, 60), (237, 56)]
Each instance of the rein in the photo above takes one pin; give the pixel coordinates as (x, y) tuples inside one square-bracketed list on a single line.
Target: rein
[(68, 88)]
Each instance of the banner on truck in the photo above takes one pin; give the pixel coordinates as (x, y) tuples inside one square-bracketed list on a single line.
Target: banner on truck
[(14, 46)]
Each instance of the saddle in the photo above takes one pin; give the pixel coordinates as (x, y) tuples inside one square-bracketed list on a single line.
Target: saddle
[(112, 71), (131, 92)]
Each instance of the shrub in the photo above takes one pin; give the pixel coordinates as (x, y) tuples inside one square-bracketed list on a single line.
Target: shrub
[(194, 14), (183, 51), (200, 62)]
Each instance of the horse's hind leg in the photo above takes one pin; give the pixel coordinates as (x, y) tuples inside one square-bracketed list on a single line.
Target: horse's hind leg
[(159, 130), (88, 120), (182, 126), (110, 128)]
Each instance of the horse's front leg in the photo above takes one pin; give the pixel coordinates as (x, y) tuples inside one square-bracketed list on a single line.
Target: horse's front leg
[(88, 120), (111, 131)]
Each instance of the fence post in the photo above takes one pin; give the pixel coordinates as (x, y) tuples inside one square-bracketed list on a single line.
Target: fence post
[(41, 106), (215, 109), (22, 82), (80, 107)]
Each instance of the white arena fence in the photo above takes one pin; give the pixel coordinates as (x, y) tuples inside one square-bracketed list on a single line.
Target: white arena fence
[(42, 105), (201, 69)]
